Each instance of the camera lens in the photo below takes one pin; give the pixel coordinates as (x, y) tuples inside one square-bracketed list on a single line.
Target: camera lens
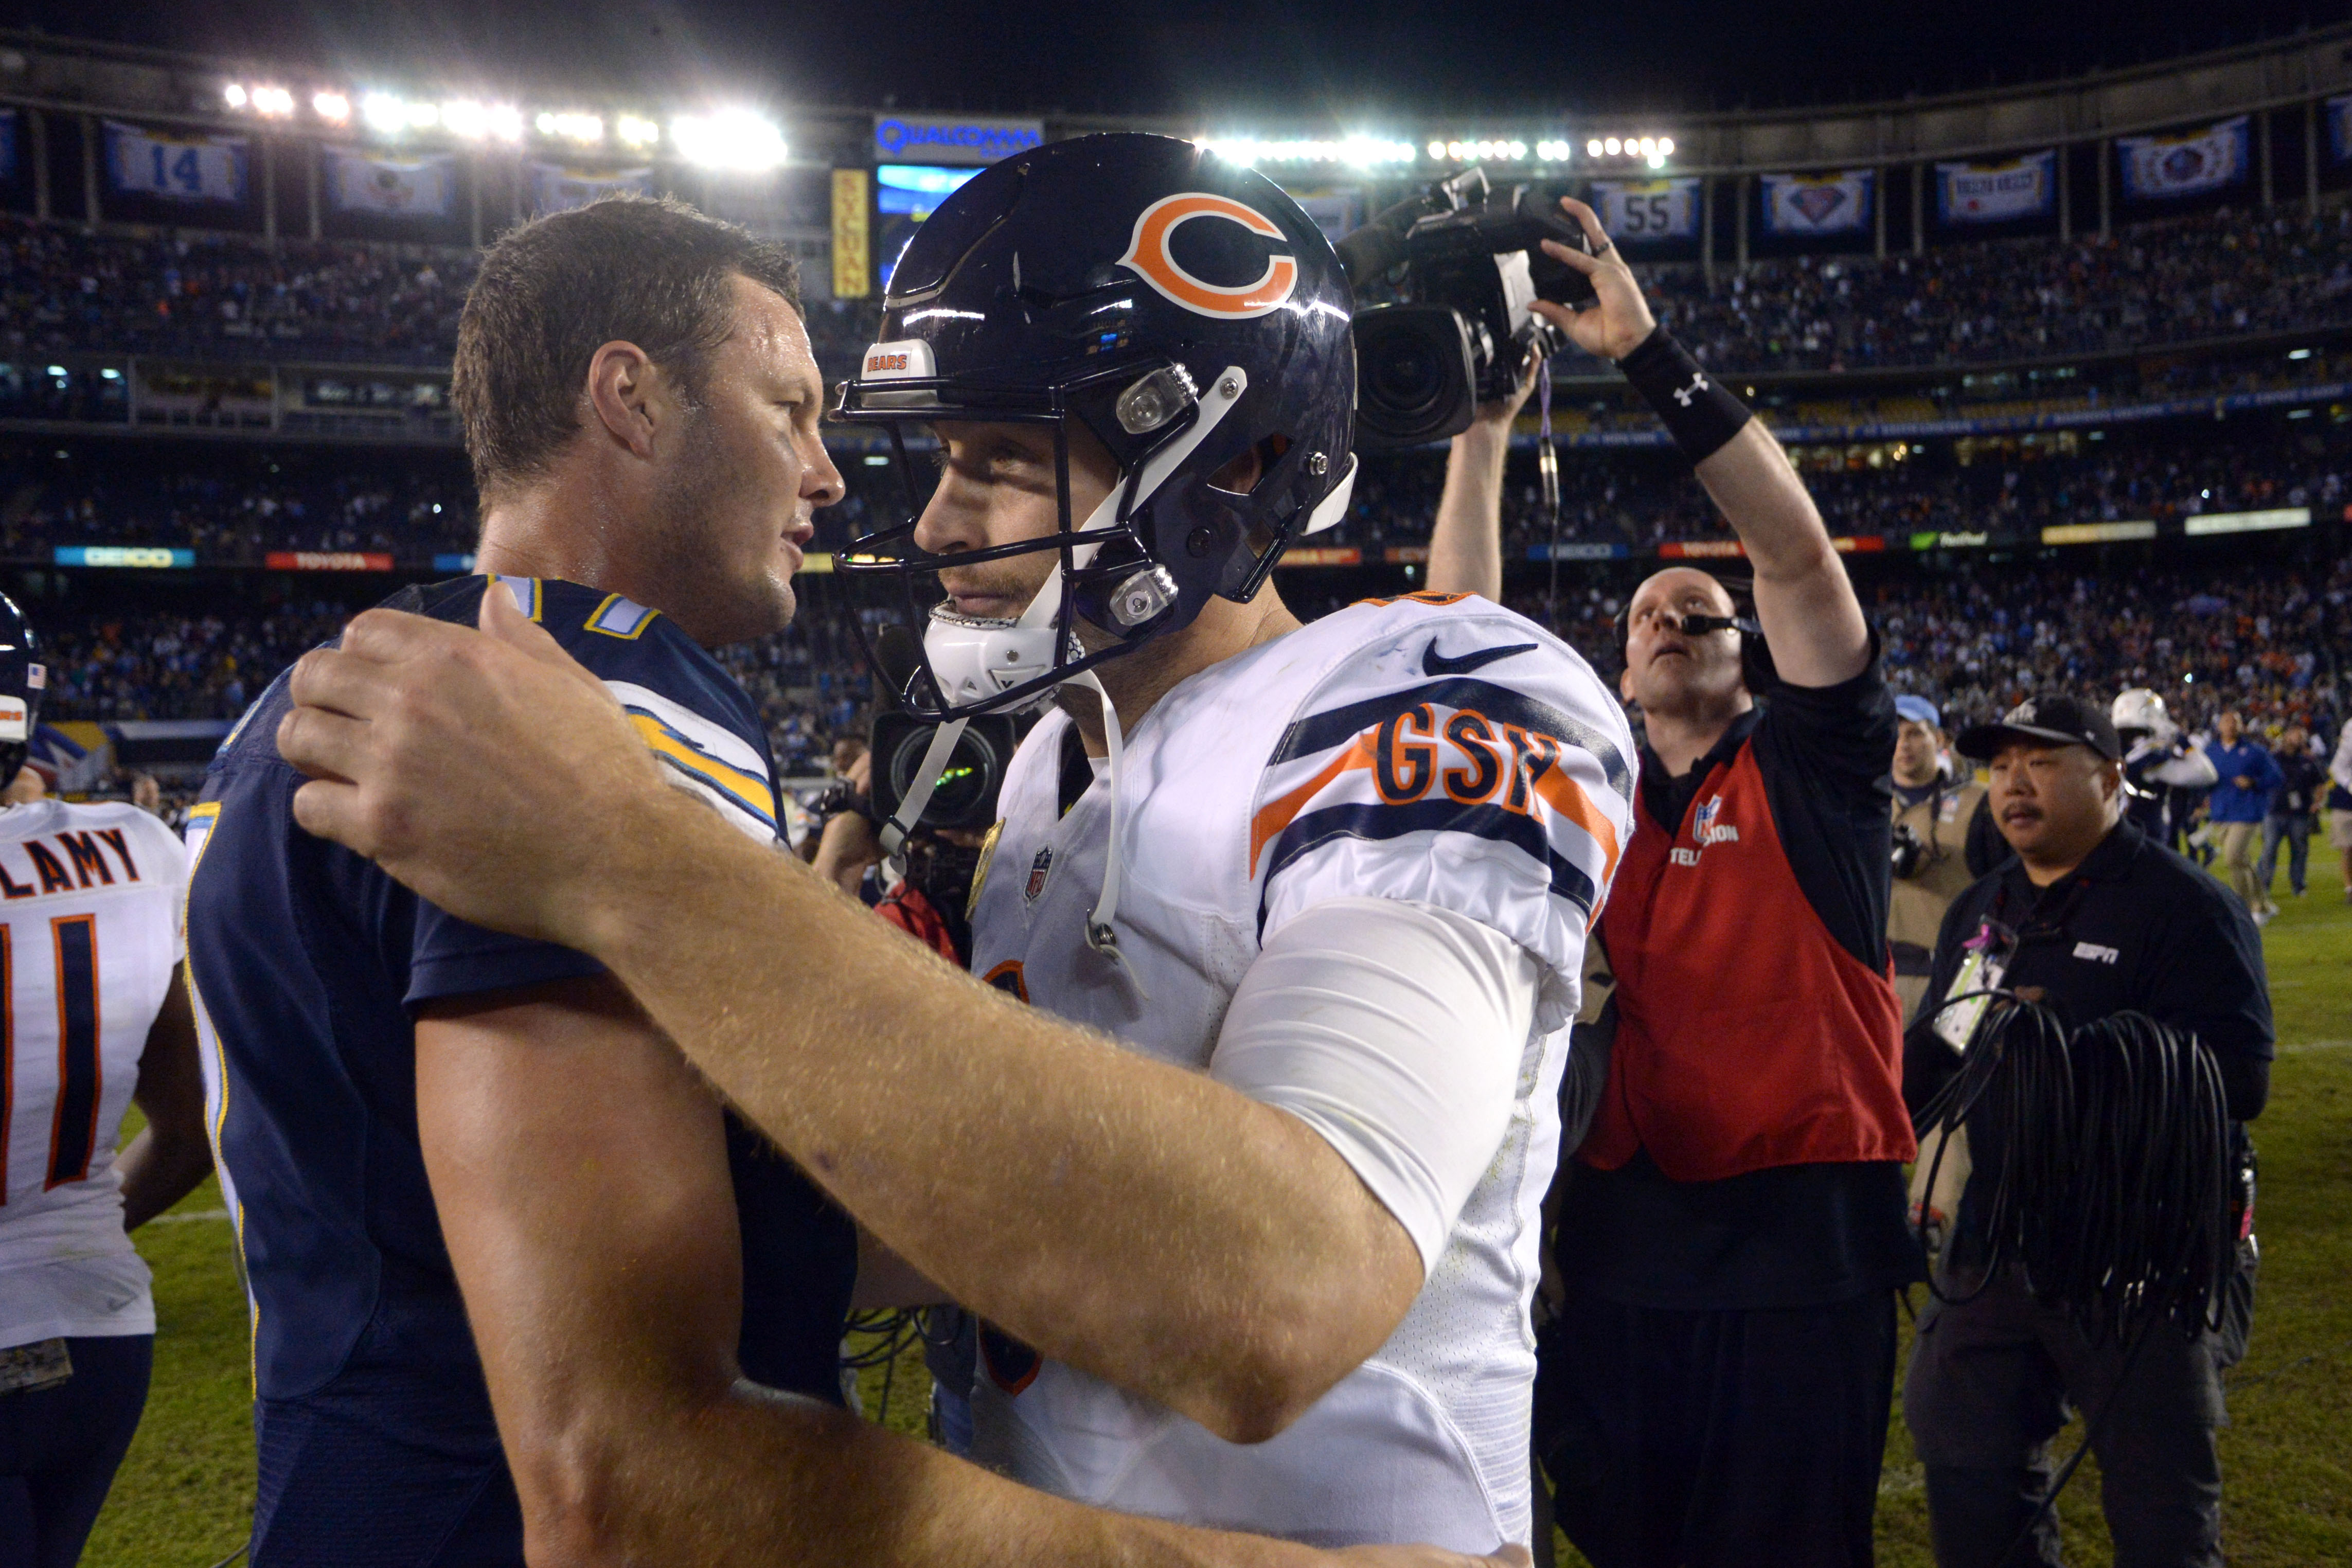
[(1402, 372), (1415, 377), (967, 784)]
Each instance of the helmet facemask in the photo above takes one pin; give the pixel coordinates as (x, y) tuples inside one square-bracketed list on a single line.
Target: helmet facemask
[(1141, 567)]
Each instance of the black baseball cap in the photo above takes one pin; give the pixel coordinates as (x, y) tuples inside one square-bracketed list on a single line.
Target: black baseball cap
[(2050, 719)]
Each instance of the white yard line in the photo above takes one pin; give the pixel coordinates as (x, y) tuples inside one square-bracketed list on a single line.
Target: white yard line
[(190, 1217)]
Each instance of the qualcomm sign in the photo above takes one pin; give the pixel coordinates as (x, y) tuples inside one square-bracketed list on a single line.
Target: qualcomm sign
[(932, 139)]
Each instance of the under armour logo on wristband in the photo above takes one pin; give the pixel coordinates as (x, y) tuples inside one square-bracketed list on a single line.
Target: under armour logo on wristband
[(1683, 395)]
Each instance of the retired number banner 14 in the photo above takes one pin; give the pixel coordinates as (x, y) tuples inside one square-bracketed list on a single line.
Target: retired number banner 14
[(1636, 210), (143, 163)]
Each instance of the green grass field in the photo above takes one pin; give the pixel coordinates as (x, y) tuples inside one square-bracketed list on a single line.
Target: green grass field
[(185, 1497)]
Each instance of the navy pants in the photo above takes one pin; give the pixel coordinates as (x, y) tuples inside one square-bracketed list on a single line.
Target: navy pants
[(59, 1448), (1716, 1439)]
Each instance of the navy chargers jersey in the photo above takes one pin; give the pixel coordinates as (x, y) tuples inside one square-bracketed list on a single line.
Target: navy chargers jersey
[(373, 1425)]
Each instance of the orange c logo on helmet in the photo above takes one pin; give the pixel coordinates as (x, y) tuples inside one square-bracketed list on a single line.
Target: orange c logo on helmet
[(1149, 256)]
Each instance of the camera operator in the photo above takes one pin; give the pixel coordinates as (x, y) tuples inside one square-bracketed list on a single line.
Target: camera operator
[(1716, 1387), (2092, 919), (1935, 821)]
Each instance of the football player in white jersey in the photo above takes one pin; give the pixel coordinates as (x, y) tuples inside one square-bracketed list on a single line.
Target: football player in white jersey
[(1268, 1266), (92, 1015)]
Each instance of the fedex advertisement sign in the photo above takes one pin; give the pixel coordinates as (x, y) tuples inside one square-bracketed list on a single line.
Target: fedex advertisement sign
[(948, 139)]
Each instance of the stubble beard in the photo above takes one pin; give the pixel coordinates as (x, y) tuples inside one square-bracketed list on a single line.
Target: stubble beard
[(725, 605)]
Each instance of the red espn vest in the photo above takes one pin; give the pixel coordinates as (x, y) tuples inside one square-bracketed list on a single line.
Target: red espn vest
[(1747, 1036)]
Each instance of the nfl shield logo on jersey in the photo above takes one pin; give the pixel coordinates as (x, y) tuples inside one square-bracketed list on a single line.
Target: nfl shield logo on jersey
[(1707, 811), (1039, 869)]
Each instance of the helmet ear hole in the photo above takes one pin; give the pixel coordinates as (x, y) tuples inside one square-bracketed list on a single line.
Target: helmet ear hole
[(1250, 469)]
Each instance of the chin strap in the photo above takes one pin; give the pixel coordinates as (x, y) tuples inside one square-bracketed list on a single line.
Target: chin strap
[(1100, 933), (927, 783)]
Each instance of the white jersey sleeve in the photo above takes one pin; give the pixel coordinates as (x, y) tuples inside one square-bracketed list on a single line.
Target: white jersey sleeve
[(1397, 1032), (1463, 759)]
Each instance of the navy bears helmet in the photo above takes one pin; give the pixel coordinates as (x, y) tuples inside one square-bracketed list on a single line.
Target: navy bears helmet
[(23, 680), (1184, 311)]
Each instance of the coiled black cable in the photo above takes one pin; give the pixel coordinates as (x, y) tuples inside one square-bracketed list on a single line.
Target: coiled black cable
[(2108, 1155)]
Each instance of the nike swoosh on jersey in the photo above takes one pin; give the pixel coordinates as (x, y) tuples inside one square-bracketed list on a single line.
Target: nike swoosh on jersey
[(1434, 663)]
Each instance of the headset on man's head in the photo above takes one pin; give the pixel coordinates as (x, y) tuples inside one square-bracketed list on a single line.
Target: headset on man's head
[(1757, 671)]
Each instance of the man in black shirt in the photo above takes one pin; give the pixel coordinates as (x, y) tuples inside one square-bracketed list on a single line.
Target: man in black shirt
[(2094, 919)]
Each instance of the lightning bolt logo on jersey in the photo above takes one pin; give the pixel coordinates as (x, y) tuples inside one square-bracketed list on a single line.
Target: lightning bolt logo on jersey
[(90, 933), (1441, 751)]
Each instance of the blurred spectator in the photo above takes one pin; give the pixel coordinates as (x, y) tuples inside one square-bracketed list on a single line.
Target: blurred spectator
[(2303, 785), (2250, 778)]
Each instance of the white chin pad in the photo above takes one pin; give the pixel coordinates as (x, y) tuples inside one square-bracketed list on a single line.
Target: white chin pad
[(1333, 507), (974, 659)]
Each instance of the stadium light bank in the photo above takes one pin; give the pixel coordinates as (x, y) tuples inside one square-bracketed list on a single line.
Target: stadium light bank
[(730, 139), (1355, 152)]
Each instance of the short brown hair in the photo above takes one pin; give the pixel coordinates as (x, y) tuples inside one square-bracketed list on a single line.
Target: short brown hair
[(554, 291)]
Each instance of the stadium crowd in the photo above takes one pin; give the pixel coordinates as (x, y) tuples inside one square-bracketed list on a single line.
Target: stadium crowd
[(2010, 488), (2223, 273), (2220, 274), (236, 507), (217, 296), (2276, 645)]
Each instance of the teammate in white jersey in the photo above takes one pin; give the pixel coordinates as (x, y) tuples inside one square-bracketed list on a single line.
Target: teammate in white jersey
[(1328, 886), (92, 1016)]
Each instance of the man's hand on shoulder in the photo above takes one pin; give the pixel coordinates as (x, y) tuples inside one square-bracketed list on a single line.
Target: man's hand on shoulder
[(487, 769)]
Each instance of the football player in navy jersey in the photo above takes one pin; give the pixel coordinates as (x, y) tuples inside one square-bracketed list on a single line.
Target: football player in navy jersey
[(522, 1290)]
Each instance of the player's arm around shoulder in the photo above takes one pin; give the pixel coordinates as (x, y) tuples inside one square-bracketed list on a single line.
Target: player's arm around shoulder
[(580, 1175)]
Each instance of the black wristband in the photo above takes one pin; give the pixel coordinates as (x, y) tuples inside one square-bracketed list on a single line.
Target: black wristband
[(1699, 413)]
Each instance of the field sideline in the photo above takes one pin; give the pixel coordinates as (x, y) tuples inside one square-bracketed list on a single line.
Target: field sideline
[(185, 1497)]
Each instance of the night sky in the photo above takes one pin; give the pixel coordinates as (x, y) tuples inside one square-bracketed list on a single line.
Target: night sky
[(1301, 59)]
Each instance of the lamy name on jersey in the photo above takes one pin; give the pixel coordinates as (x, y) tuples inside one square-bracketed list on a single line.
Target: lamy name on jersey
[(1430, 749), (65, 862)]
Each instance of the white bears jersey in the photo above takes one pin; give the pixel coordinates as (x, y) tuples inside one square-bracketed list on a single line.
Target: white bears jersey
[(1435, 749), (91, 902)]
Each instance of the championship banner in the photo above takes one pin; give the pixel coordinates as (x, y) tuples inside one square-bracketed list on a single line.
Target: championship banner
[(2339, 127), (393, 187), (1837, 203), (7, 144), (556, 188), (2161, 167), (1998, 192), (853, 234), (141, 162), (1637, 210)]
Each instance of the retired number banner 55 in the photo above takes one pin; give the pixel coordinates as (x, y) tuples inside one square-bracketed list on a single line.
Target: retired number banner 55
[(1632, 211)]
